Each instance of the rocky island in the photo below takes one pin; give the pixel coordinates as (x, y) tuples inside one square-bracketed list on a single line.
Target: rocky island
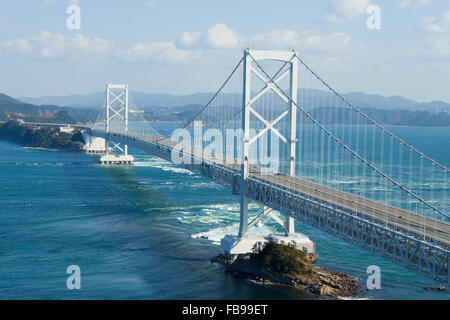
[(41, 137), (284, 265)]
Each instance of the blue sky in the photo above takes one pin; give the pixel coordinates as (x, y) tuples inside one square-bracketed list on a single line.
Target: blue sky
[(179, 47)]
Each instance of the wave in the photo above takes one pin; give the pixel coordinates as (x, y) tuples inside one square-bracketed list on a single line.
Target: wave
[(36, 164), (42, 149), (211, 215), (216, 234), (160, 164)]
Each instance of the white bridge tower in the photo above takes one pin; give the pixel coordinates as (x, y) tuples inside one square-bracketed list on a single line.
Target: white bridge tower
[(243, 243), (116, 122)]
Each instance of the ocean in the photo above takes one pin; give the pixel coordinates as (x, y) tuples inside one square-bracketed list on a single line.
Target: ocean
[(149, 231)]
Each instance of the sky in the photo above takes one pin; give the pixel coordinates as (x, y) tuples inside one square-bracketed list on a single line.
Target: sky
[(183, 47)]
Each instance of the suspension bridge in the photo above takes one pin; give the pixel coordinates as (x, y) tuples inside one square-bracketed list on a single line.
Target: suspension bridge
[(277, 134)]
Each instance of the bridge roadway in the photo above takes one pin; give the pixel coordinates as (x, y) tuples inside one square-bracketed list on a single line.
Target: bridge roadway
[(435, 231)]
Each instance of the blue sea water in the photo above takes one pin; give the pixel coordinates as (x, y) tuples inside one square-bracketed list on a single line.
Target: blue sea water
[(148, 231)]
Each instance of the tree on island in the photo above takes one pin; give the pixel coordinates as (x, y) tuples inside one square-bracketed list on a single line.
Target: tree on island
[(282, 258)]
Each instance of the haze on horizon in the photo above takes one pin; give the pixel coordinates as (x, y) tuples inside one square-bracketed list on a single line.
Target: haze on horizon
[(179, 47)]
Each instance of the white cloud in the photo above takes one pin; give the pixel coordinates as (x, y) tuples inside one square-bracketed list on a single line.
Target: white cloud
[(91, 45), (306, 41), (152, 3), (333, 42), (340, 11), (190, 45), (403, 3), (407, 3), (48, 45), (433, 24), (276, 39), (440, 46), (165, 52), (222, 37), (19, 45), (218, 36), (189, 39)]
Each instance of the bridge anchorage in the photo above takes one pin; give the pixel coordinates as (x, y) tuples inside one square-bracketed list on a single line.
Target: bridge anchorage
[(116, 120), (243, 243)]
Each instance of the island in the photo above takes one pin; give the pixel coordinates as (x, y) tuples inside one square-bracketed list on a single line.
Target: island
[(42, 136), (282, 264)]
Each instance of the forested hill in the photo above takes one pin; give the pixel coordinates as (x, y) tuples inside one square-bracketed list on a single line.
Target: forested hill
[(12, 109), (42, 137), (360, 99)]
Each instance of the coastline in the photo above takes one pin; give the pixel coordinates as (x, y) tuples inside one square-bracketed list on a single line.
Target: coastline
[(42, 138)]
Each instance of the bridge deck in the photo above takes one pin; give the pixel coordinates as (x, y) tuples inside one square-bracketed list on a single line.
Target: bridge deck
[(401, 219), (431, 229), (419, 227)]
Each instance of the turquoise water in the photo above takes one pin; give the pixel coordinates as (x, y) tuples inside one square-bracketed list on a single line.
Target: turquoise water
[(148, 231)]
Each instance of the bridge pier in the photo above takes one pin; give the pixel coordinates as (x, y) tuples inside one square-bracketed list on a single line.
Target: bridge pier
[(94, 145), (243, 243), (234, 246), (116, 115), (111, 159)]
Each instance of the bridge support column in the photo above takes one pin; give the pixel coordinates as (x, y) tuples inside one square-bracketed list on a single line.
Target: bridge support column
[(116, 120), (243, 223), (292, 141), (243, 243)]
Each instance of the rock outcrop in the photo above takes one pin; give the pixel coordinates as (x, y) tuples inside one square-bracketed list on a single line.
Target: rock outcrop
[(317, 281)]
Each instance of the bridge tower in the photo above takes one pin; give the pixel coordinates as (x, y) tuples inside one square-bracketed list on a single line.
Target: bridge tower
[(243, 242), (116, 120)]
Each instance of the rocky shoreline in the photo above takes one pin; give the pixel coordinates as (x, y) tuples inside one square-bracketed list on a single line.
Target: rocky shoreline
[(41, 137), (320, 282)]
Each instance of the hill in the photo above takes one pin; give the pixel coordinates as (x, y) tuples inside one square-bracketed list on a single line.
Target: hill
[(43, 137), (12, 109), (167, 110), (144, 100)]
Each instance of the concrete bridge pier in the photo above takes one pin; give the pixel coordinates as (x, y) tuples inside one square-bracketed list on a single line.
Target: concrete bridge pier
[(94, 145), (111, 159), (243, 243)]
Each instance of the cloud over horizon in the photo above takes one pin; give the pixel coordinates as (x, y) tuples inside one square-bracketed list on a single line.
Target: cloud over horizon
[(340, 11), (49, 45)]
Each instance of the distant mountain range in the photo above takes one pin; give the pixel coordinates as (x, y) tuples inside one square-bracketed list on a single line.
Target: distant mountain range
[(145, 100), (388, 111)]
